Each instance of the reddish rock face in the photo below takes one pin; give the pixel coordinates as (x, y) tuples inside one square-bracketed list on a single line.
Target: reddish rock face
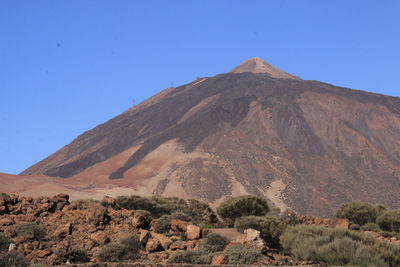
[(305, 145)]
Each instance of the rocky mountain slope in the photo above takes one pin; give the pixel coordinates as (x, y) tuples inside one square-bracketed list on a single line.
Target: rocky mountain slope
[(306, 145)]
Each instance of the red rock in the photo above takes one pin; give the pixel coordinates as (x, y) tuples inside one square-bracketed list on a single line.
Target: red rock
[(43, 253), (193, 232), (100, 237), (153, 245), (144, 236), (219, 259), (341, 223), (63, 231), (6, 222), (179, 226), (181, 245)]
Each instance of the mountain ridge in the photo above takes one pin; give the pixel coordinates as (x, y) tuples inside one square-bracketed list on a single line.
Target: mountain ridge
[(304, 145)]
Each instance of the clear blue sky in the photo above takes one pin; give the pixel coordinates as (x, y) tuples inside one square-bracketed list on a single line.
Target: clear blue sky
[(68, 65)]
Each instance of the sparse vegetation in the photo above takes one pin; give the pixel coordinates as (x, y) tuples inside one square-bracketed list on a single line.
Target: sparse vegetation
[(141, 203), (339, 246), (214, 242), (30, 229), (5, 242), (270, 227), (237, 207), (181, 216), (127, 249), (13, 259), (162, 224), (73, 255), (191, 257), (113, 253), (239, 255), (371, 227), (389, 220), (359, 213)]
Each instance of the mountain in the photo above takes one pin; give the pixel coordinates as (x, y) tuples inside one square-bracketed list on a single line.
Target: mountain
[(305, 145)]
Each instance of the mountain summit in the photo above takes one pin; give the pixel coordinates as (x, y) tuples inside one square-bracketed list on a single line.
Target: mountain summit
[(303, 145), (258, 65)]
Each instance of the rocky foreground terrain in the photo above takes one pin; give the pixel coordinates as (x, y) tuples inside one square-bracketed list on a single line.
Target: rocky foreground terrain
[(89, 226)]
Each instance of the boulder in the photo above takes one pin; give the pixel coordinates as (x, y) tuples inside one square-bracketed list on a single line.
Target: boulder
[(178, 245), (252, 239), (43, 253), (165, 240), (193, 232), (341, 223), (97, 215), (62, 197), (100, 237), (179, 226), (153, 245), (63, 231), (219, 259), (144, 236)]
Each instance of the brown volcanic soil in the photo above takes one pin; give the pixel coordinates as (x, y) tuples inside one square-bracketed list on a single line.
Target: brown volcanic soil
[(303, 144)]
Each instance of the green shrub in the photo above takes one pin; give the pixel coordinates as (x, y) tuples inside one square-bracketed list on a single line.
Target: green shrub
[(358, 212), (336, 246), (270, 228), (389, 220), (5, 242), (162, 224), (239, 255), (181, 216), (133, 244), (214, 242), (33, 229), (85, 202), (112, 253), (274, 212), (371, 227), (76, 255), (127, 249), (141, 203), (205, 225), (13, 259), (240, 206), (191, 257)]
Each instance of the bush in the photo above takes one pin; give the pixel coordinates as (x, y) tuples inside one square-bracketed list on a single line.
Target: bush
[(214, 242), (191, 257), (133, 244), (76, 255), (270, 228), (336, 246), (358, 212), (240, 206), (239, 255), (162, 224), (127, 249), (33, 229), (389, 220), (85, 202), (141, 203), (13, 259), (371, 227), (181, 216), (5, 242), (112, 253), (354, 227)]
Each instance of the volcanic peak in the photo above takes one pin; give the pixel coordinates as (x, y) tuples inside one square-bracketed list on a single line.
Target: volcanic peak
[(258, 65)]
